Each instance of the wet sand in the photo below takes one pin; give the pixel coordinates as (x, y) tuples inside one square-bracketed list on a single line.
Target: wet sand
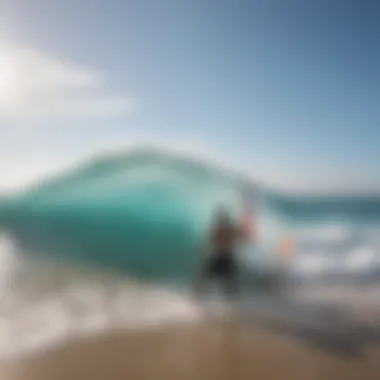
[(224, 350)]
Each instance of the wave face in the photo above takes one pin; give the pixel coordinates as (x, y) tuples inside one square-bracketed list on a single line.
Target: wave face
[(144, 212), (147, 211)]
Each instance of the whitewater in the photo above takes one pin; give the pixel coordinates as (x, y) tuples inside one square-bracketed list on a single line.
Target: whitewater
[(117, 242)]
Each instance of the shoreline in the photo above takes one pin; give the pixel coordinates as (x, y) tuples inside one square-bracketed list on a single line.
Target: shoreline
[(229, 349)]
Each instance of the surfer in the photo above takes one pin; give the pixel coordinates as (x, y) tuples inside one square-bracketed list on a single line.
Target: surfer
[(224, 237)]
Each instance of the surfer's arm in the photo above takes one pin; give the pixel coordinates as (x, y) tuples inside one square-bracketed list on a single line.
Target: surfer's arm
[(246, 230)]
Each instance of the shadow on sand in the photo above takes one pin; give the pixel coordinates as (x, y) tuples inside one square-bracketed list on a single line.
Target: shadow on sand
[(324, 327)]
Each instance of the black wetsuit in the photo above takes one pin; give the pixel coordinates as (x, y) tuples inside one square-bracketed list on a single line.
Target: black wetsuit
[(222, 261)]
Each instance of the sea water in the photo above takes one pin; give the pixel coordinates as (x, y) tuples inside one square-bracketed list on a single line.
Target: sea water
[(119, 240)]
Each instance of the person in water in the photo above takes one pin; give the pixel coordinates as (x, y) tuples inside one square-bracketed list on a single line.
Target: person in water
[(224, 238)]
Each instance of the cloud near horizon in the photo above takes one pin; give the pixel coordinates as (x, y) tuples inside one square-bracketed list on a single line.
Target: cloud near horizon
[(36, 85)]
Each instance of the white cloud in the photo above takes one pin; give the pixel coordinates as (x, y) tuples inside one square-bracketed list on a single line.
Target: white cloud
[(78, 108), (35, 84)]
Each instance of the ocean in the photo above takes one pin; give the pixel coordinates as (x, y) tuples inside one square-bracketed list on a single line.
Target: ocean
[(118, 240)]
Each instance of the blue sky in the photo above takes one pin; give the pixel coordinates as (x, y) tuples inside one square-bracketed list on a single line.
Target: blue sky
[(287, 90)]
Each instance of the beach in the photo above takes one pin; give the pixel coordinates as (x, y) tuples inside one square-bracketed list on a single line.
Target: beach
[(225, 349), (72, 322)]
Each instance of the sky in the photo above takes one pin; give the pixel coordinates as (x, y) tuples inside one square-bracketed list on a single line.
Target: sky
[(284, 90)]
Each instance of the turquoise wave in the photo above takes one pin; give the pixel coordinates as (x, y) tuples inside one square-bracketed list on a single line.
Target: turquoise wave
[(147, 212)]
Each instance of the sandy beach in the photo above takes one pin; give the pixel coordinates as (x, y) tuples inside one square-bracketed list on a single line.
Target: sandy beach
[(223, 350), (60, 322)]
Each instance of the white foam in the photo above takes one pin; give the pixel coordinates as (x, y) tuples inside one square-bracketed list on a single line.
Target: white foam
[(312, 264), (328, 232), (55, 303), (361, 258)]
